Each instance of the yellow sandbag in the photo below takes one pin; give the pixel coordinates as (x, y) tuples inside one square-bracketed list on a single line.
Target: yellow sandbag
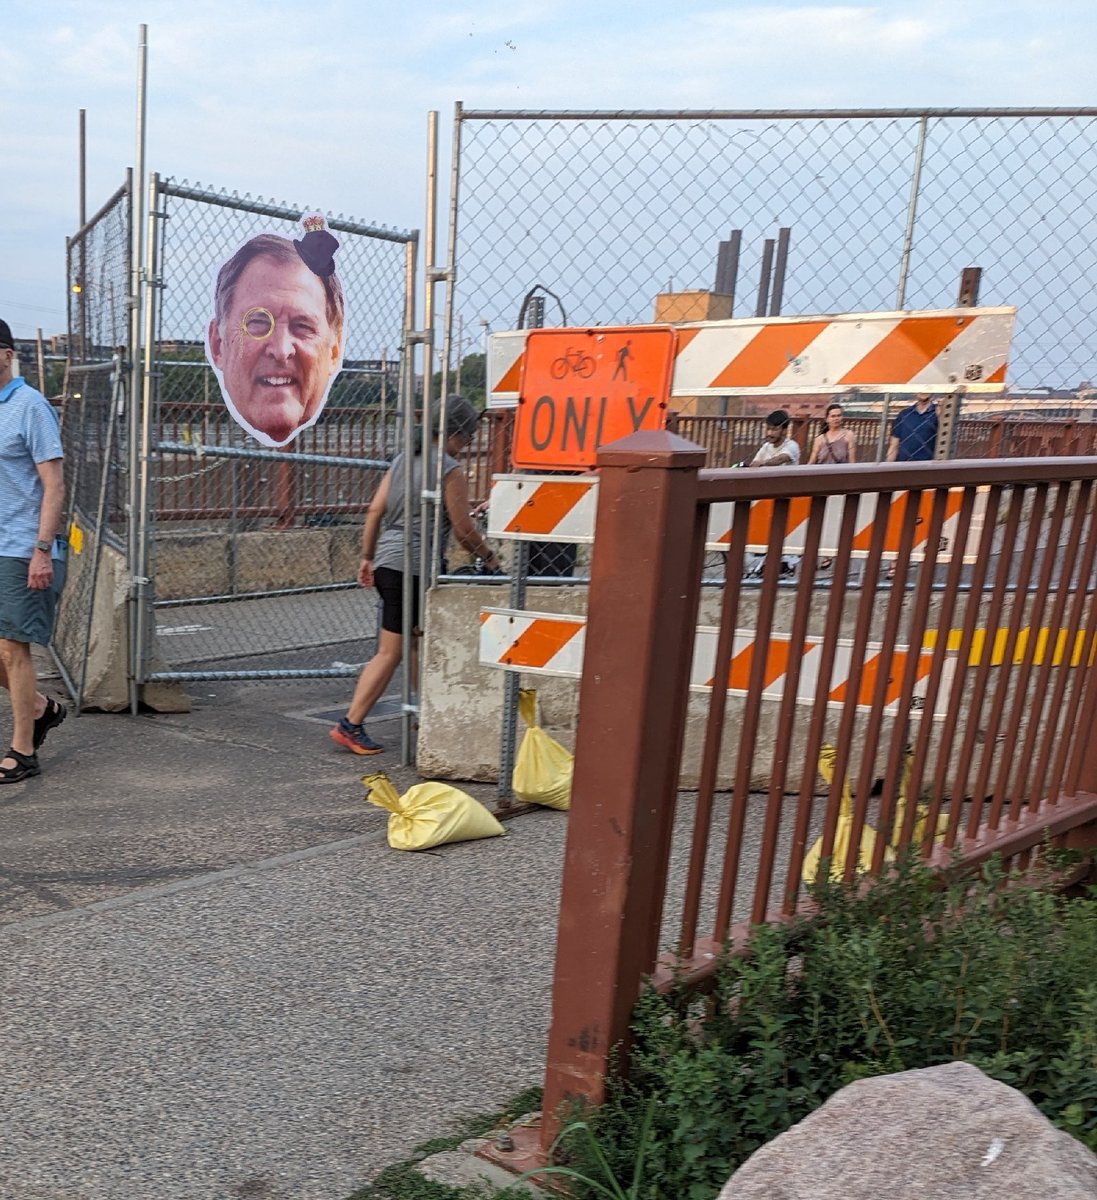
[(430, 814), (843, 832), (543, 768), (922, 812)]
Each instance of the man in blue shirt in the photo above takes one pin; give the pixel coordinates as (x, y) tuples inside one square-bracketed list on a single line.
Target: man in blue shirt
[(32, 491), (914, 432)]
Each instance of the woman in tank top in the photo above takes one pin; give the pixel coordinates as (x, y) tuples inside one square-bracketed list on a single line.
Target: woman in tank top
[(382, 566), (834, 445)]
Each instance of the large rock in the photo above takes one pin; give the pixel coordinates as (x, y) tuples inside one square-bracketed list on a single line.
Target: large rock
[(944, 1133)]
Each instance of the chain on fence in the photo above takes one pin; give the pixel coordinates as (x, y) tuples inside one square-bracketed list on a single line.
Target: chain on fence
[(255, 549)]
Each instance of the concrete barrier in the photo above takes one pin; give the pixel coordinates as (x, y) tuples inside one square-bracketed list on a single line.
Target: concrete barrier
[(104, 667), (461, 701), (217, 563)]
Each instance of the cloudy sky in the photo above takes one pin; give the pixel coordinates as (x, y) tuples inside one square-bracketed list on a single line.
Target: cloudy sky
[(324, 104)]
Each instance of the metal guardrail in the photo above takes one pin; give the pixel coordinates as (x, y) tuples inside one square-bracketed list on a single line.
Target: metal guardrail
[(1007, 646)]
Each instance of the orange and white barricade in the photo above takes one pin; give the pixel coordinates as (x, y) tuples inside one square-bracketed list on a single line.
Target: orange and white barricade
[(932, 350), (559, 508), (551, 644)]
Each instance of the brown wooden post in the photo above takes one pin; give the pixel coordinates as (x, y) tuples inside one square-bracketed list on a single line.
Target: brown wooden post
[(641, 621), (994, 443)]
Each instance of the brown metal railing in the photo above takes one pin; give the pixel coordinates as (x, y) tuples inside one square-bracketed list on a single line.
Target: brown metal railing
[(951, 648), (212, 488), (292, 492)]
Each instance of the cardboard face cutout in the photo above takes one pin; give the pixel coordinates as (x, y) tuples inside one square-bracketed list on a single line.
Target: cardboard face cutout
[(277, 334)]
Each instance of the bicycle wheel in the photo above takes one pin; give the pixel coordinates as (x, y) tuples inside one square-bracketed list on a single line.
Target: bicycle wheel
[(559, 368), (584, 367)]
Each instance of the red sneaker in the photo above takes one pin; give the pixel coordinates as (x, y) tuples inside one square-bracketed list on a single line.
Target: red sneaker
[(354, 739)]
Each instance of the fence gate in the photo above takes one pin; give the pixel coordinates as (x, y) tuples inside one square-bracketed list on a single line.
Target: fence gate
[(93, 431), (252, 552)]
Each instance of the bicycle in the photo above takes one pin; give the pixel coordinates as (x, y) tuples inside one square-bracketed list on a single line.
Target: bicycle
[(574, 361)]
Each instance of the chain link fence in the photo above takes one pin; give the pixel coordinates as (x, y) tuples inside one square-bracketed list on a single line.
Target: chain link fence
[(93, 423), (254, 551), (98, 263), (599, 213), (607, 210)]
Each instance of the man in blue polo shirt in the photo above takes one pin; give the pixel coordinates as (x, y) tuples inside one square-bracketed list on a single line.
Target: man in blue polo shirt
[(32, 491), (914, 432)]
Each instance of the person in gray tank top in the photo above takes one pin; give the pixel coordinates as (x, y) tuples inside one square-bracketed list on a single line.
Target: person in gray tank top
[(382, 565)]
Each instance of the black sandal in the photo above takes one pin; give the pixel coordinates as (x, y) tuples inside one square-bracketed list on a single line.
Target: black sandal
[(26, 765), (52, 716)]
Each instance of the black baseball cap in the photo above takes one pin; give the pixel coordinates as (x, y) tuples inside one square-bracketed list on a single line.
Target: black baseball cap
[(461, 417), (5, 336)]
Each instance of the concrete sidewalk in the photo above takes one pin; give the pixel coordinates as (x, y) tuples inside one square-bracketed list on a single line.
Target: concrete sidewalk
[(217, 980)]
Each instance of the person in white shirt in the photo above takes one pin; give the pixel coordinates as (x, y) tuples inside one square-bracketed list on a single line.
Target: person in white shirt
[(779, 449)]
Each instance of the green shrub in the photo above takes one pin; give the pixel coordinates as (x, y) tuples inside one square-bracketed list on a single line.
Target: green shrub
[(909, 974)]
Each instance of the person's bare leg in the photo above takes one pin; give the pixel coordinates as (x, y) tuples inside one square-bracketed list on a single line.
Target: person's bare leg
[(376, 676), (40, 700), (22, 685)]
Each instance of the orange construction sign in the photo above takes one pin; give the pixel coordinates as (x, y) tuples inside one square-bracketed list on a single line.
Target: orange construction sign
[(583, 388)]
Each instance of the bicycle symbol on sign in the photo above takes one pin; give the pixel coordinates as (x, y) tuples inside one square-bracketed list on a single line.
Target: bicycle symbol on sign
[(572, 361)]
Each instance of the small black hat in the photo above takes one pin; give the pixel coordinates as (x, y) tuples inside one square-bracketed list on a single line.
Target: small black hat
[(5, 336), (317, 248)]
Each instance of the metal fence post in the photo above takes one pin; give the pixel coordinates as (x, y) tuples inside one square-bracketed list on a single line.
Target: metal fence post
[(644, 593), (508, 737), (904, 263)]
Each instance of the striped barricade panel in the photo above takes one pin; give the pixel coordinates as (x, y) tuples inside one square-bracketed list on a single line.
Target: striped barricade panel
[(550, 644), (936, 350), (505, 351), (556, 508), (778, 660), (540, 643), (546, 508), (762, 514)]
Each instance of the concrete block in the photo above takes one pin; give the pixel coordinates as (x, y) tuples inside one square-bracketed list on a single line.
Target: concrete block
[(103, 663), (191, 564), (461, 701), (282, 558), (344, 551)]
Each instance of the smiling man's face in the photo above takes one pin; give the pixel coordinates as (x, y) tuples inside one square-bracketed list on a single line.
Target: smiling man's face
[(276, 349)]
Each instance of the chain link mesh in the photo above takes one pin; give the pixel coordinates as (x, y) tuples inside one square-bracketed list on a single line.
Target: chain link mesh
[(93, 430), (256, 550), (98, 260), (608, 210)]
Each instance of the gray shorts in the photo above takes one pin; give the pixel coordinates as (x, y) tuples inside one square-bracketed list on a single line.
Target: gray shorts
[(26, 614)]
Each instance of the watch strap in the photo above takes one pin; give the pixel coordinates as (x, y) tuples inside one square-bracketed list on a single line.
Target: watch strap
[(43, 545)]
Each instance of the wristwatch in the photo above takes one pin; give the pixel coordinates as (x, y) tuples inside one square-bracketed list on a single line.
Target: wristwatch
[(43, 545)]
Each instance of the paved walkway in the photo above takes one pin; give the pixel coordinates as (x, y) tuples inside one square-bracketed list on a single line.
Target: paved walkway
[(217, 980)]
